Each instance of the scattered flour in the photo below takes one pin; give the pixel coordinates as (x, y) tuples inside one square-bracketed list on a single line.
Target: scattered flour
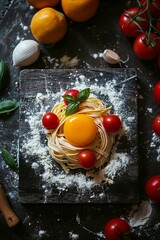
[(117, 162), (35, 165), (33, 144), (101, 235), (41, 233), (97, 55), (23, 26), (68, 180), (149, 110), (155, 143), (73, 236), (157, 226)]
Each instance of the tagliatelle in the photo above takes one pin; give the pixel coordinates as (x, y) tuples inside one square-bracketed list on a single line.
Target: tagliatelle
[(65, 153)]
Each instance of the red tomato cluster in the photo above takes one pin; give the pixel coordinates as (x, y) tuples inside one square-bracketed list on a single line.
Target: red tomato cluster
[(137, 22), (133, 21)]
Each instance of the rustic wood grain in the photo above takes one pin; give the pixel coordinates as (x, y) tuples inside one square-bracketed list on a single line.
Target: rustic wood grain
[(125, 188)]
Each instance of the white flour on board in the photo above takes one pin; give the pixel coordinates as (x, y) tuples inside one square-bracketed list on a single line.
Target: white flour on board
[(155, 143), (33, 146)]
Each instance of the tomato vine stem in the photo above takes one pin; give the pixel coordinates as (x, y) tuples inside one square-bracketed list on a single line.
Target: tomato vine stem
[(148, 41)]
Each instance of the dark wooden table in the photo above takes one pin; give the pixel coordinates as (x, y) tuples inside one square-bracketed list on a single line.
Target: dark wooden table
[(77, 221)]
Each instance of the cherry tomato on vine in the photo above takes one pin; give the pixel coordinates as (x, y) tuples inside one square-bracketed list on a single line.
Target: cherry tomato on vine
[(87, 159), (152, 188), (50, 120), (117, 229), (156, 92), (146, 47), (71, 92), (156, 125), (112, 123), (133, 22), (154, 7)]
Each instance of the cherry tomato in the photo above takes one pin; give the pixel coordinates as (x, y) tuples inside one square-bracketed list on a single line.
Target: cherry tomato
[(131, 24), (146, 49), (116, 229), (157, 92), (71, 92), (154, 6), (156, 125), (112, 123), (50, 120), (87, 159), (152, 188)]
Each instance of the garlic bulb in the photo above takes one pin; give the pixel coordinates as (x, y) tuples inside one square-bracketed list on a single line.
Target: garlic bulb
[(25, 53), (111, 57)]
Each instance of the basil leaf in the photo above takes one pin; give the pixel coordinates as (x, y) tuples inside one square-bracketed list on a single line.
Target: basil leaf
[(83, 95), (70, 99), (4, 75), (7, 106), (9, 160), (72, 108)]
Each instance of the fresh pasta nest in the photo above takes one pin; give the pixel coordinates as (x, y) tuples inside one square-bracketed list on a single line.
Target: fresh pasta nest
[(82, 131)]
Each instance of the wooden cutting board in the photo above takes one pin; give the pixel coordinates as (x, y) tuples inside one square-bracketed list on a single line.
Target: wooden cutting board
[(41, 179)]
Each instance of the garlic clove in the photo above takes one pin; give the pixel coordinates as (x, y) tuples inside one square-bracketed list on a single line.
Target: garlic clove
[(25, 53), (111, 57)]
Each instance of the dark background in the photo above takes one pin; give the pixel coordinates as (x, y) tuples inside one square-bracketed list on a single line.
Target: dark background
[(101, 32)]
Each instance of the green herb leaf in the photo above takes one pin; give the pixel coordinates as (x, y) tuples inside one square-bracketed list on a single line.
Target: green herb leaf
[(70, 99), (7, 106), (83, 95), (71, 108), (4, 75), (9, 160)]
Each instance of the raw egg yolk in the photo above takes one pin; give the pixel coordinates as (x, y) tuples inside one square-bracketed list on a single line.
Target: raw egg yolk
[(80, 130)]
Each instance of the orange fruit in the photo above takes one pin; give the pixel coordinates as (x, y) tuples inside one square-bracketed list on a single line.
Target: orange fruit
[(80, 10), (43, 3), (48, 25)]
